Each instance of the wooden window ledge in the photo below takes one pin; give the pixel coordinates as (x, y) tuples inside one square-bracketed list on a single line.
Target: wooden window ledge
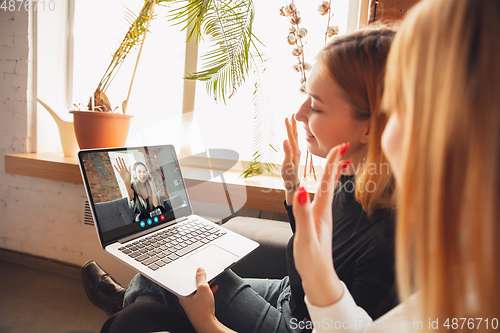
[(264, 193)]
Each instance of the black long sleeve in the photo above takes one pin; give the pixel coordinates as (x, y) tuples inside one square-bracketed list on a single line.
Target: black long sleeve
[(363, 254)]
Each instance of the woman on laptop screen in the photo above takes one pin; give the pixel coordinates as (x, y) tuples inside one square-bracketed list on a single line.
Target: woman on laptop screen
[(140, 188)]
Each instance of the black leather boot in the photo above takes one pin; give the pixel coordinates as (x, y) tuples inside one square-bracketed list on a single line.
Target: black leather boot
[(102, 290)]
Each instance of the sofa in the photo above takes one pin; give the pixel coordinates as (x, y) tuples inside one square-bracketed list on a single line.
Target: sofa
[(269, 259), (114, 214)]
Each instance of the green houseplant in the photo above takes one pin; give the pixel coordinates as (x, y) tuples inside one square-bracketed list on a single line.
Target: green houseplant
[(225, 66), (98, 126)]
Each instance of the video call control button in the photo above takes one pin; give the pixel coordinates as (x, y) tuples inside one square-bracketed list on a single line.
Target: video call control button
[(143, 224), (156, 219), (150, 222), (162, 217)]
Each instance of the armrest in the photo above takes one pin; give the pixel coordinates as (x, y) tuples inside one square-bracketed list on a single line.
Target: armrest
[(269, 259)]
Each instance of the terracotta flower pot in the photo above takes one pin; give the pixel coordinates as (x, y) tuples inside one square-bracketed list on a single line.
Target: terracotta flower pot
[(95, 129)]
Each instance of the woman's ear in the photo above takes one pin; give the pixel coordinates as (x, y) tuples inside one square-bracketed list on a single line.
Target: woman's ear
[(365, 136)]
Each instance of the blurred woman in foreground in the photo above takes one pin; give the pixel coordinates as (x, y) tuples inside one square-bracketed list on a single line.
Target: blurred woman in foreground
[(443, 143)]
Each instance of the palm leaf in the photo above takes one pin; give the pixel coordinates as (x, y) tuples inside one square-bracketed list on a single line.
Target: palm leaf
[(191, 13), (132, 38), (228, 25), (263, 135)]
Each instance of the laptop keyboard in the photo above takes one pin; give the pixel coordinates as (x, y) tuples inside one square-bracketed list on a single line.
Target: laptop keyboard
[(165, 246)]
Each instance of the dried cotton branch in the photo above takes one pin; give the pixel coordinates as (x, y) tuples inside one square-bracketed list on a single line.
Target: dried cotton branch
[(295, 35)]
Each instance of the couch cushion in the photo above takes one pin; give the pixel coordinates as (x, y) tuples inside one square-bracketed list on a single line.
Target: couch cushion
[(114, 214), (269, 259)]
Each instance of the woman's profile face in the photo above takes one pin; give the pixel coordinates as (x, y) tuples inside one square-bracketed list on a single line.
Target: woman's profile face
[(142, 173), (392, 139), (328, 118)]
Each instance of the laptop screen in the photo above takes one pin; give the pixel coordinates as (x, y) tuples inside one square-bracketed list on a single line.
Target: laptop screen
[(133, 189)]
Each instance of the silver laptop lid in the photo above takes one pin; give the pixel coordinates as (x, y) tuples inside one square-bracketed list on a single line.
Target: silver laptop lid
[(133, 190)]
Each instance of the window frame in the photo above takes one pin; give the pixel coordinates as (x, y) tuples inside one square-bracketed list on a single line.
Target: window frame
[(354, 21)]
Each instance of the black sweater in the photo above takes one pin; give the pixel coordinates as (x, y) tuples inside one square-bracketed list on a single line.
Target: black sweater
[(363, 254)]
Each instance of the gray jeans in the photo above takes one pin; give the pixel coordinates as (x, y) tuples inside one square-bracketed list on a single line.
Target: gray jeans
[(244, 305)]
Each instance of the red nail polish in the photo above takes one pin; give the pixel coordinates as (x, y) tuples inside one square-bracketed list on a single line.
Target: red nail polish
[(302, 195), (346, 164), (343, 148)]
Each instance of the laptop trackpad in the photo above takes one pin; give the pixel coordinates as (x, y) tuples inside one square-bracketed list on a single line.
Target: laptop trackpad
[(213, 259)]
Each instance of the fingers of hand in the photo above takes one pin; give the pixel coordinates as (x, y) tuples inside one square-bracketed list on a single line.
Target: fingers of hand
[(291, 131), (331, 175), (286, 147), (201, 276), (294, 125), (302, 213), (215, 288)]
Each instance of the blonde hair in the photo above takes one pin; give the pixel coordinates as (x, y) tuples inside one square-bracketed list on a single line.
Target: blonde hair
[(149, 185), (443, 82), (356, 62)]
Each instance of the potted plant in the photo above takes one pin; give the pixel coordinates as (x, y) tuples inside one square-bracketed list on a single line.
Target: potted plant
[(99, 126), (226, 64)]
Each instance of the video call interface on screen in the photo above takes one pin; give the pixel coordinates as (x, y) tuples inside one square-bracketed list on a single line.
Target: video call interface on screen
[(134, 189)]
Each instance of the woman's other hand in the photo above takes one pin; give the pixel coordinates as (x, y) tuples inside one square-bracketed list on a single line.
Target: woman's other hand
[(123, 171), (200, 306), (312, 247), (290, 166)]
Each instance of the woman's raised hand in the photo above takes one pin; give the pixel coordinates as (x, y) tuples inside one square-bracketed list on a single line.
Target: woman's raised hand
[(290, 166), (122, 170), (312, 246)]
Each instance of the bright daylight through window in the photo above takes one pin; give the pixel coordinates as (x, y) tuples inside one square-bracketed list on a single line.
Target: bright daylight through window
[(156, 97)]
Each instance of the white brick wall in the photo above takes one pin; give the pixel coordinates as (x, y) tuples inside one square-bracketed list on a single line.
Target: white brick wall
[(37, 216), (13, 81)]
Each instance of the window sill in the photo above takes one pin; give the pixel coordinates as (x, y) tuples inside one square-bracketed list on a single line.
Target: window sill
[(264, 193)]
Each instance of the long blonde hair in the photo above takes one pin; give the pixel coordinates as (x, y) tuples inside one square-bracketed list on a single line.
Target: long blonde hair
[(356, 62), (443, 82)]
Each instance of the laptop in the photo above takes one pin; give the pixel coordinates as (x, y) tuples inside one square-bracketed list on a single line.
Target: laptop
[(143, 217)]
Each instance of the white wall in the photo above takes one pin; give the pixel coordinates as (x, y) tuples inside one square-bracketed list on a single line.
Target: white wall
[(37, 216)]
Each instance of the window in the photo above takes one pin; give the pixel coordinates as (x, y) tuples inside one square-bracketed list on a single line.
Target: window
[(231, 126), (156, 96)]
